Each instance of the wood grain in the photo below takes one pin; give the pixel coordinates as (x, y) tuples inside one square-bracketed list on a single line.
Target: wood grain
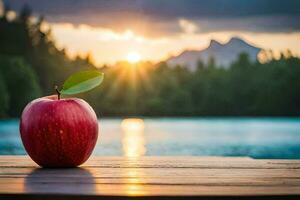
[(153, 176)]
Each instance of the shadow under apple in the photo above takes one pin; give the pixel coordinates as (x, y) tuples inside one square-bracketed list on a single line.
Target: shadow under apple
[(60, 181)]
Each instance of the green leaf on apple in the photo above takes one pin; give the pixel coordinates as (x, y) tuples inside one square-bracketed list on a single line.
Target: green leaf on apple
[(81, 82)]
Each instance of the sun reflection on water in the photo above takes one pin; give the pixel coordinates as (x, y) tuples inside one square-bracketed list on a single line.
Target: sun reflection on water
[(133, 140)]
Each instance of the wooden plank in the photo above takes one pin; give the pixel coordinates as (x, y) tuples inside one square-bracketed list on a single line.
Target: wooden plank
[(166, 162), (153, 176)]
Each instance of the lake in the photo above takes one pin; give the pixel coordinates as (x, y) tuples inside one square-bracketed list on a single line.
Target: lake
[(254, 137)]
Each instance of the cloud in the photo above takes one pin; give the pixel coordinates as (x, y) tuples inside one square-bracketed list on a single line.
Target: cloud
[(156, 29), (166, 9), (276, 23), (156, 17), (188, 26)]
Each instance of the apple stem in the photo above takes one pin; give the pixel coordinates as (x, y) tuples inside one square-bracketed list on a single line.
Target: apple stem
[(57, 91)]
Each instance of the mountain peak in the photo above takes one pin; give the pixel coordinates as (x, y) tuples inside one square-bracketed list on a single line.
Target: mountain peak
[(213, 43), (236, 40), (224, 54)]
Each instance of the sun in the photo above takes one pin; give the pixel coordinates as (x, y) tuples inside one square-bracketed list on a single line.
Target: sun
[(133, 57)]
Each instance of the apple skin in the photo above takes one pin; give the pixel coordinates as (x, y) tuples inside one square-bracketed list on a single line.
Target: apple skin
[(59, 133)]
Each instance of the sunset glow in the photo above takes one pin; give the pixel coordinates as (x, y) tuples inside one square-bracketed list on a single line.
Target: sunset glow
[(133, 57), (108, 46)]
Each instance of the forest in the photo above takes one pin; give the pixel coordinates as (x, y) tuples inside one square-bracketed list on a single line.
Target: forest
[(31, 65)]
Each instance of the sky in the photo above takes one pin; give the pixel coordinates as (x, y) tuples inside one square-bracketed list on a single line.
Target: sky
[(112, 30)]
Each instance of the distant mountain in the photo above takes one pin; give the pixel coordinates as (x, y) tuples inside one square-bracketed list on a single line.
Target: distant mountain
[(224, 54)]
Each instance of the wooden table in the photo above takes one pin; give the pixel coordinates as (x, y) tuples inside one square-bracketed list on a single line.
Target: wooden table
[(152, 177)]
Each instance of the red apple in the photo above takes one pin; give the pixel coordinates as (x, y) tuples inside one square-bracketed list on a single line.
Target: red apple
[(59, 132)]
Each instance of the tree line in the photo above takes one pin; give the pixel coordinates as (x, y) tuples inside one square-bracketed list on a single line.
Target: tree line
[(31, 65)]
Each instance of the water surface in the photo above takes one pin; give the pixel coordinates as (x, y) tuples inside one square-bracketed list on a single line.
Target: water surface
[(254, 137)]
